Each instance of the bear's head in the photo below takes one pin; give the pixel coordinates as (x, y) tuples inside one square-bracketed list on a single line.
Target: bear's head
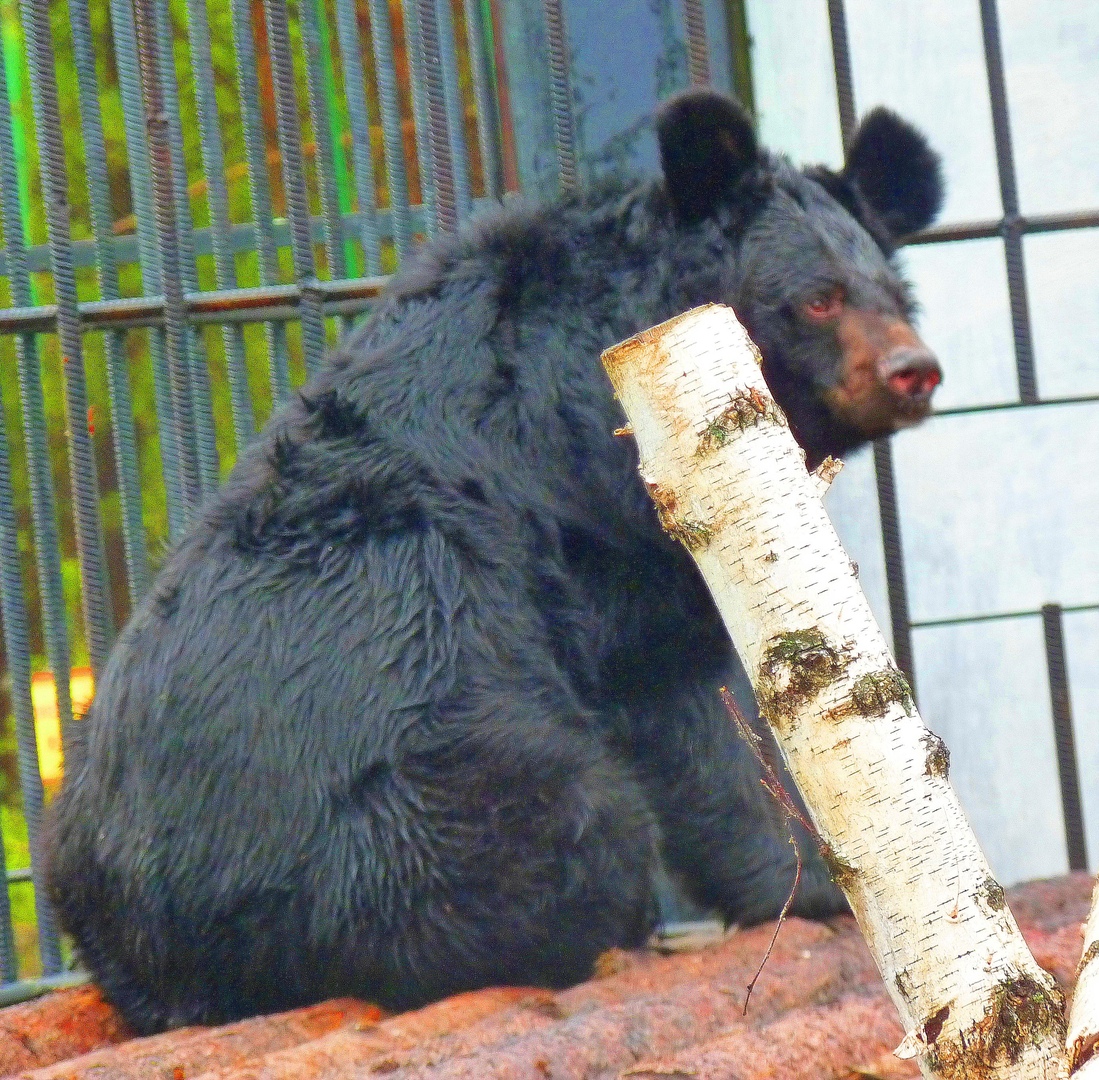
[(813, 278)]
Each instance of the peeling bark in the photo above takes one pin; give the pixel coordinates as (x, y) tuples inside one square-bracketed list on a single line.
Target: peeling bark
[(730, 483)]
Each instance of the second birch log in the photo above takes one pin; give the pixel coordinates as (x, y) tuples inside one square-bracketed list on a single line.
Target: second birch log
[(1083, 1019), (729, 481)]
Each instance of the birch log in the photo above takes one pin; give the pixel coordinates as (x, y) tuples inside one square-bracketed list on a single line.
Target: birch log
[(730, 483), (1083, 1018)]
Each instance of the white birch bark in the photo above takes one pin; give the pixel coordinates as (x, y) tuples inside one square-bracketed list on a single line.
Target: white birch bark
[(1083, 1017), (730, 482)]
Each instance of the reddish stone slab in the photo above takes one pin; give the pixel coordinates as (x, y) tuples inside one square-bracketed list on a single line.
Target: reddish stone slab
[(818, 1010), (58, 1026), (175, 1055)]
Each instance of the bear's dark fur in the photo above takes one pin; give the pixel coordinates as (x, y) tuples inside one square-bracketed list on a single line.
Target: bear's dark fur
[(425, 695)]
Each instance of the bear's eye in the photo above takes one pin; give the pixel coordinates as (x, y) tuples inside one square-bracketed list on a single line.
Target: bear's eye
[(825, 306)]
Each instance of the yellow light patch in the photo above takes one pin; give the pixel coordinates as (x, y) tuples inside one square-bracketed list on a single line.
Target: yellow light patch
[(47, 726)]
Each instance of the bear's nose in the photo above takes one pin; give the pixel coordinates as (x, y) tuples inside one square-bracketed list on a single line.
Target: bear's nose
[(911, 373)]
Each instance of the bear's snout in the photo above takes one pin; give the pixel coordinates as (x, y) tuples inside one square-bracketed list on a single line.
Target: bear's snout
[(887, 374), (911, 372)]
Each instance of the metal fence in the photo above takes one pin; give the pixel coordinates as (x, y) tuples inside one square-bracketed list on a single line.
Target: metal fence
[(316, 151), (212, 205), (215, 203), (1011, 227)]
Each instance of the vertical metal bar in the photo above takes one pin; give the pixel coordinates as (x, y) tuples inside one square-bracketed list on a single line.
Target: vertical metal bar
[(259, 187), (438, 126), (1064, 739), (118, 374), (200, 432), (381, 33), (137, 144), (841, 61), (9, 958), (455, 110), (17, 648), (740, 47), (417, 77), (698, 51), (560, 94), (347, 28), (526, 98), (1009, 195), (47, 547), (95, 587), (488, 112), (293, 178), (896, 586), (309, 18), (137, 151), (884, 472), (169, 94), (48, 560), (175, 325), (127, 466), (213, 158)]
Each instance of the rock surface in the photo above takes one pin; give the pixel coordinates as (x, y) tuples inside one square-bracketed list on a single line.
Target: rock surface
[(819, 1010)]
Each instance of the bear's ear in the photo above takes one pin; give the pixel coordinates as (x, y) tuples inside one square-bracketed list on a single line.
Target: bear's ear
[(899, 175), (706, 144)]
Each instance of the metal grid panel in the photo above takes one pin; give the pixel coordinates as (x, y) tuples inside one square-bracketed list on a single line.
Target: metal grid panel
[(1011, 228), (312, 143)]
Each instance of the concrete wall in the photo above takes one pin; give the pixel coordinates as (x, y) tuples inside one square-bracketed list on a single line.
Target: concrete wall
[(999, 508)]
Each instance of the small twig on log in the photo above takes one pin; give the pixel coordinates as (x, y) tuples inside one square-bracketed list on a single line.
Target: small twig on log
[(777, 790)]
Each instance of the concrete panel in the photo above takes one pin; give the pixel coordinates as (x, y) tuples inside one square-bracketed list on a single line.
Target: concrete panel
[(794, 82), (852, 504), (1000, 510), (983, 687), (625, 58), (966, 318), (1082, 654), (1050, 51), (924, 59), (1063, 283)]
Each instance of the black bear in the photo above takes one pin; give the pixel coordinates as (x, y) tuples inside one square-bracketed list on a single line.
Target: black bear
[(425, 697)]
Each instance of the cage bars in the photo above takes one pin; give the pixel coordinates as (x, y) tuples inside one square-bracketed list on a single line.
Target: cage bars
[(47, 546), (381, 33), (1009, 196), (162, 325), (1011, 227), (95, 594), (217, 193), (124, 437), (884, 473), (141, 193), (263, 240), (362, 154)]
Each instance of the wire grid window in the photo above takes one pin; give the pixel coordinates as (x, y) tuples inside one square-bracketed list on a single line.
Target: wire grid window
[(984, 563), (196, 199)]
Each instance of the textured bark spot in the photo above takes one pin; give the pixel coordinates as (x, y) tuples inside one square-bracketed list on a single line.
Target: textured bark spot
[(991, 892), (938, 755), (745, 409), (677, 524), (933, 1027), (843, 873), (795, 668), (873, 694), (1022, 1012), (1090, 953)]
